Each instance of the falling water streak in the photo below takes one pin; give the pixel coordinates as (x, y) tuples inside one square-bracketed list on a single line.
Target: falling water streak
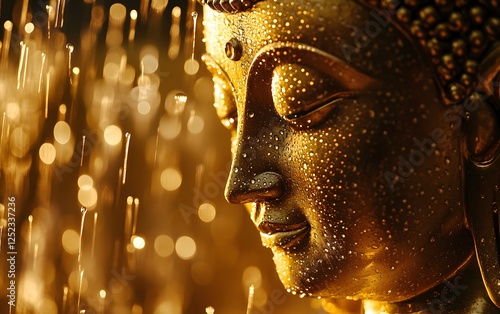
[(142, 71), (63, 9), (6, 44), (21, 63), (116, 200), (156, 146), (61, 115), (47, 89), (83, 210), (133, 21), (83, 149), (65, 298), (24, 13), (128, 221), (250, 299), (1, 138), (48, 9), (80, 282), (40, 79), (25, 65), (102, 307), (198, 175), (35, 255), (144, 11), (58, 10), (70, 49), (175, 40), (1, 236), (94, 231), (61, 6), (28, 30), (30, 232), (74, 79), (116, 253), (195, 19), (123, 65), (136, 213), (125, 159)]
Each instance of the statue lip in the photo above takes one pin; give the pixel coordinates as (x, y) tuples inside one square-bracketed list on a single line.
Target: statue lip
[(282, 235)]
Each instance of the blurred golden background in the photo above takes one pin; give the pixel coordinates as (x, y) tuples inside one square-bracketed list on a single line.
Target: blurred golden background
[(113, 166)]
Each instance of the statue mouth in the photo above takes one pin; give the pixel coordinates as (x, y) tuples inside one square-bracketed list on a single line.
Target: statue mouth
[(286, 236)]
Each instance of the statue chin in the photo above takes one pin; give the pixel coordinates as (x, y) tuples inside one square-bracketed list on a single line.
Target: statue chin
[(365, 135)]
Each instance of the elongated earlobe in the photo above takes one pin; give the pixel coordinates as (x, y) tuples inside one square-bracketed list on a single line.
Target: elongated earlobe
[(482, 175)]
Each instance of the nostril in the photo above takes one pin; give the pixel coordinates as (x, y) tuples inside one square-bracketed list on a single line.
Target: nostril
[(268, 184), (264, 186)]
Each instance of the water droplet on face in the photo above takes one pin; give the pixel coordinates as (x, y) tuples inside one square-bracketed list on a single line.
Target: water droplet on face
[(251, 115)]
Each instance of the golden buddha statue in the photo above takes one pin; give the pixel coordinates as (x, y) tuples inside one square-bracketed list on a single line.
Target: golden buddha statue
[(366, 143)]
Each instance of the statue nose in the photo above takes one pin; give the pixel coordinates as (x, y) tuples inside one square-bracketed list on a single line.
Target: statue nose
[(264, 186)]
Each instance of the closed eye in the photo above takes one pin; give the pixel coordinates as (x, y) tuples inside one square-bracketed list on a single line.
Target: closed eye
[(318, 111)]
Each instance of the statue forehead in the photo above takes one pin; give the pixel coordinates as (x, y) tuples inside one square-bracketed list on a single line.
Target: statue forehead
[(348, 30)]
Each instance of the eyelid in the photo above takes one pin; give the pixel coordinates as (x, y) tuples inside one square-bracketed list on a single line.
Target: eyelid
[(298, 53), (330, 100), (317, 112)]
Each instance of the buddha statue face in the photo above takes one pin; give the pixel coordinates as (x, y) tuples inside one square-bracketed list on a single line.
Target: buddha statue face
[(344, 152)]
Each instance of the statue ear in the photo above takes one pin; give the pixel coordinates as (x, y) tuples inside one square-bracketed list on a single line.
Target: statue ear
[(482, 171)]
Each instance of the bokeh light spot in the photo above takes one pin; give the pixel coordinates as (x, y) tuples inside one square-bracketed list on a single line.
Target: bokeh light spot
[(191, 67), (171, 179), (87, 197), (164, 245), (62, 132), (70, 241), (138, 242), (206, 212), (47, 153), (112, 135), (185, 247), (252, 276), (85, 181), (143, 107)]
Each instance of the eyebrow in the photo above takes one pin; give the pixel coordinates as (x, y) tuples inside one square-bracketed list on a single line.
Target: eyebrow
[(292, 52)]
